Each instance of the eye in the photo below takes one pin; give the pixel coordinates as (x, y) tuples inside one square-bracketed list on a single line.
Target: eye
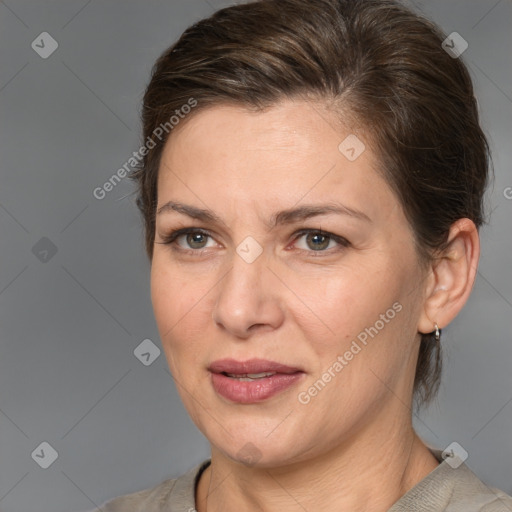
[(319, 241), (194, 239), (189, 239)]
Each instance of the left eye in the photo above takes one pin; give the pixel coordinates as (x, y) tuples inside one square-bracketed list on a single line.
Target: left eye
[(319, 241)]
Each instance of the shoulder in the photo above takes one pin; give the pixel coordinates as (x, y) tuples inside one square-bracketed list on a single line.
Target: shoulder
[(453, 487), (171, 494), (147, 500), (470, 494), (497, 501)]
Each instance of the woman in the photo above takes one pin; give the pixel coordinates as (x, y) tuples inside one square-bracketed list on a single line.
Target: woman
[(312, 193)]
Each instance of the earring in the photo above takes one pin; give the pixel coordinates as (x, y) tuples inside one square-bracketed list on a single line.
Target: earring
[(438, 333)]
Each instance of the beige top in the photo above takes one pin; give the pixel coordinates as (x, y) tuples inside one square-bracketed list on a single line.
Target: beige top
[(446, 488)]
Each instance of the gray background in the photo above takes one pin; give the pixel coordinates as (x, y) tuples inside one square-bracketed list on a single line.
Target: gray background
[(69, 324)]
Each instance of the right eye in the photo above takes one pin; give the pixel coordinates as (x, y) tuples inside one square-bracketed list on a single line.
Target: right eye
[(188, 240)]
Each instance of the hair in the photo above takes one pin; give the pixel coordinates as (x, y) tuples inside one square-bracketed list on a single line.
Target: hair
[(376, 64)]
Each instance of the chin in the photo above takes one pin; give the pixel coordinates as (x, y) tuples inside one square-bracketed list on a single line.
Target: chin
[(256, 448)]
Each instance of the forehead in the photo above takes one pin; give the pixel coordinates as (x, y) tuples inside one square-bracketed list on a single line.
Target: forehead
[(294, 125), (292, 151)]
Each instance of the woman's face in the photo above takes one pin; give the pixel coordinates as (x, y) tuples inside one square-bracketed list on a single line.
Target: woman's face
[(255, 280)]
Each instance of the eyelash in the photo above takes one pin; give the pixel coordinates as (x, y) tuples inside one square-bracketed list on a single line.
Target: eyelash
[(171, 238)]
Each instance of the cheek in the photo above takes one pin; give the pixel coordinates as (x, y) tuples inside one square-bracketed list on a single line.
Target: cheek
[(360, 316), (179, 305), (336, 306), (324, 309)]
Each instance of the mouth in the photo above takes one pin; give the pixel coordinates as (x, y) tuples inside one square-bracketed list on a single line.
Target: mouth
[(249, 377), (252, 381), (252, 368)]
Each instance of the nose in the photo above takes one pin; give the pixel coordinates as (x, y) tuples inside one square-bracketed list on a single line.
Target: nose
[(248, 299)]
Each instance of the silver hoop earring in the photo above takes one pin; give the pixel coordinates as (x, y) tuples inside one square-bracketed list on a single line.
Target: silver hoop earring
[(438, 333)]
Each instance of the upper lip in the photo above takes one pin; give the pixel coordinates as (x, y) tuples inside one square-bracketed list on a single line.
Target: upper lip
[(250, 366)]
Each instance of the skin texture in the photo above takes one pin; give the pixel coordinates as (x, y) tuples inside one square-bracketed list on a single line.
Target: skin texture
[(352, 446)]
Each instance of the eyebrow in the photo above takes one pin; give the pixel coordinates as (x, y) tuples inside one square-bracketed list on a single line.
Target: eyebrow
[(283, 217)]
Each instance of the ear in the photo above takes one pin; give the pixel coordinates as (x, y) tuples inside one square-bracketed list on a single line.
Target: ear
[(451, 278)]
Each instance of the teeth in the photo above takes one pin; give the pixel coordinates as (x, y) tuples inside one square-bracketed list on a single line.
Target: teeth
[(247, 377)]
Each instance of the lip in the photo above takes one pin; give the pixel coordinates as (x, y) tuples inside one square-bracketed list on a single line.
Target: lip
[(250, 366), (257, 390)]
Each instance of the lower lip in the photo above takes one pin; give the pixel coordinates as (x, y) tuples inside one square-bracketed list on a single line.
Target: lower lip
[(255, 391)]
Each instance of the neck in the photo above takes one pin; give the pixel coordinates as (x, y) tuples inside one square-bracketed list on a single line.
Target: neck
[(369, 473)]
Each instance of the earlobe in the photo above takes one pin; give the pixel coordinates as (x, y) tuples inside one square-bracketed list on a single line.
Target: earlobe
[(452, 277)]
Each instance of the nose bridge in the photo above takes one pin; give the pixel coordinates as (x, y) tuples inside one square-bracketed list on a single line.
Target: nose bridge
[(244, 296), (248, 264), (246, 276)]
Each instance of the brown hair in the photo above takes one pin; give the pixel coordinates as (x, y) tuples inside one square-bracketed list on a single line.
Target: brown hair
[(378, 63)]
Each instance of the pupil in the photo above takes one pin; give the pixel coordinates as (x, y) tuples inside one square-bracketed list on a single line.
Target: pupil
[(317, 236), (194, 239)]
